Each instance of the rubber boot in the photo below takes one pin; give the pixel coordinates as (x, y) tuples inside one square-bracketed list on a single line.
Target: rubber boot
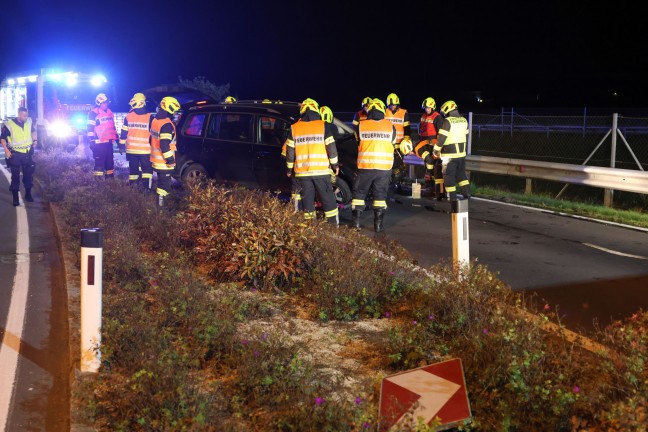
[(355, 221), (16, 198), (465, 191), (28, 195), (379, 216)]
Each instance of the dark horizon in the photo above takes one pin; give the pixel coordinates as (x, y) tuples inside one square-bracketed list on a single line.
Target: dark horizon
[(532, 54)]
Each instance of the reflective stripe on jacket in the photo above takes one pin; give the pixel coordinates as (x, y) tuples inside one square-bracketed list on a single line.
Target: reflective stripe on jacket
[(454, 145), (398, 120), (137, 128), (104, 125), (376, 149), (158, 155), (20, 138)]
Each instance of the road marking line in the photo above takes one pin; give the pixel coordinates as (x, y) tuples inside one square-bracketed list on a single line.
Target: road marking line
[(613, 252), (9, 352)]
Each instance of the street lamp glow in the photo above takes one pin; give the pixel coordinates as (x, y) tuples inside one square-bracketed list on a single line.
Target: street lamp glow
[(98, 80)]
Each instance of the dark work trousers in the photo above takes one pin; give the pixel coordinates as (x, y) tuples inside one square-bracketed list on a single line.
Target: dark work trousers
[(103, 159), (137, 163), (17, 162), (438, 178), (163, 182), (310, 185), (295, 194), (454, 175), (367, 180), (398, 169)]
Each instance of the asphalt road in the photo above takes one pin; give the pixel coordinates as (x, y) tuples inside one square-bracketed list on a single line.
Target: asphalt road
[(34, 353), (590, 271)]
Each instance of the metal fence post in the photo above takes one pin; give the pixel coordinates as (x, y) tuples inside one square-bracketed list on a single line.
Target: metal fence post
[(91, 290), (460, 239), (608, 196), (470, 122)]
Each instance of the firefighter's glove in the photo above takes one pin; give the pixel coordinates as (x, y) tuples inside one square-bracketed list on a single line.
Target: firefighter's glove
[(436, 154), (122, 148), (170, 160)]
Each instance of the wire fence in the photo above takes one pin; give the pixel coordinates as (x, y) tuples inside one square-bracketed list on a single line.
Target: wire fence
[(570, 139)]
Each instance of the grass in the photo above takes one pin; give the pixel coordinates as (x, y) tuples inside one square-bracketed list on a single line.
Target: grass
[(226, 312), (628, 217)]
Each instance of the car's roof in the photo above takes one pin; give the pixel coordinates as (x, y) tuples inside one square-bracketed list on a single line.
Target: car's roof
[(289, 109)]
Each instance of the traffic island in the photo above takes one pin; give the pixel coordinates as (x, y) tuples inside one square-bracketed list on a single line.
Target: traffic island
[(227, 311)]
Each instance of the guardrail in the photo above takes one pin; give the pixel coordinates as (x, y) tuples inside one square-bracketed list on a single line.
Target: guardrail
[(606, 178)]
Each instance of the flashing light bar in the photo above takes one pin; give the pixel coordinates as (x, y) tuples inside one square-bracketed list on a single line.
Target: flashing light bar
[(11, 81), (98, 80), (71, 79)]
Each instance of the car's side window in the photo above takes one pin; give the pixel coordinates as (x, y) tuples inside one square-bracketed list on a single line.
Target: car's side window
[(214, 126), (194, 125), (273, 130), (235, 127)]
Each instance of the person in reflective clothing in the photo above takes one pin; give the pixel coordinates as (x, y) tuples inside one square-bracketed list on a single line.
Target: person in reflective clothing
[(101, 135), (310, 153), (431, 122), (18, 138), (451, 149), (163, 145), (135, 140)]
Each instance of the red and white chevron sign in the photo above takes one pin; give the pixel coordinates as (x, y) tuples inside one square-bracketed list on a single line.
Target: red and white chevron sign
[(439, 389)]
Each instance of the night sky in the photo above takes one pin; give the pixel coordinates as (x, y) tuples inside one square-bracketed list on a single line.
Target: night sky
[(522, 53)]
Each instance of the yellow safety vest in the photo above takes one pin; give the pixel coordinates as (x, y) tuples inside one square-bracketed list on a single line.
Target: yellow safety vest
[(20, 139), (455, 144)]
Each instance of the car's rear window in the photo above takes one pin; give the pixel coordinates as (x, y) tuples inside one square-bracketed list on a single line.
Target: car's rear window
[(194, 125)]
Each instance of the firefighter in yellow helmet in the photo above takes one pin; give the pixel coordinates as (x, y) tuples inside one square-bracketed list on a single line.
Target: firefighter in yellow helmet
[(135, 140), (163, 145), (399, 117), (230, 99), (326, 113), (375, 161), (310, 152), (101, 134), (362, 114), (451, 149), (431, 122)]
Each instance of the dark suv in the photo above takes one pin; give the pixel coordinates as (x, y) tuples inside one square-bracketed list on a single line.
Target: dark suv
[(241, 143)]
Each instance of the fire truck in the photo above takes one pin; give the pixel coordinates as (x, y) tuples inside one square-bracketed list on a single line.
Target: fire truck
[(58, 102)]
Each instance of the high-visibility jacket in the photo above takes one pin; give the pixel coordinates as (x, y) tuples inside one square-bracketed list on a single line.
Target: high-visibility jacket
[(310, 152), (452, 137), (427, 127), (359, 116), (376, 148), (104, 125), (398, 120), (137, 133), (159, 154), (20, 138)]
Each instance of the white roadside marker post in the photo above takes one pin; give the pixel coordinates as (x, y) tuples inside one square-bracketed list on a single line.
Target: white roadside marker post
[(91, 290), (460, 238)]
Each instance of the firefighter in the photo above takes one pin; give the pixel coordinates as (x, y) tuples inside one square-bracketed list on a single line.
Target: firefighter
[(102, 134), (18, 139), (362, 114), (230, 99), (163, 145), (451, 149), (326, 113), (310, 151), (431, 122), (375, 161), (135, 139), (400, 119)]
